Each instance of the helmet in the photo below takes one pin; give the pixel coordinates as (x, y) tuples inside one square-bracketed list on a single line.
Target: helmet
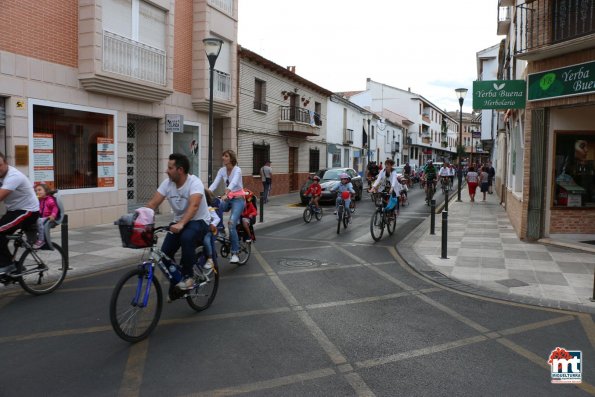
[(429, 162), (316, 178), (344, 176)]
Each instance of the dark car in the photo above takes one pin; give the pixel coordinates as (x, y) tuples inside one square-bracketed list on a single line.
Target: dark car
[(329, 177)]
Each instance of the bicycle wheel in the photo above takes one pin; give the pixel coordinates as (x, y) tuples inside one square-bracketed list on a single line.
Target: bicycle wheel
[(307, 215), (318, 214), (391, 222), (201, 297), (244, 254), (339, 218), (377, 225), (132, 320), (42, 271), (346, 219)]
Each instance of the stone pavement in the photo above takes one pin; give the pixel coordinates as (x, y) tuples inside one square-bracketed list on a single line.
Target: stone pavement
[(485, 256)]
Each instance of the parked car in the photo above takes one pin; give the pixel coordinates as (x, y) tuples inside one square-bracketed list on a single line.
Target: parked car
[(329, 177)]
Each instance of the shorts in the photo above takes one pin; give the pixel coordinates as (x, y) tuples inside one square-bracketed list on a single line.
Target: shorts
[(251, 221), (484, 187)]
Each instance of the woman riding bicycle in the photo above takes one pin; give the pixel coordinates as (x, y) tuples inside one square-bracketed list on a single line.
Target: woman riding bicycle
[(344, 186), (388, 179)]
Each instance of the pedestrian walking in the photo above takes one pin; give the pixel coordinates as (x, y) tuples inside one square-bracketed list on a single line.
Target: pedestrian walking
[(483, 181), (266, 176), (472, 180), (491, 176)]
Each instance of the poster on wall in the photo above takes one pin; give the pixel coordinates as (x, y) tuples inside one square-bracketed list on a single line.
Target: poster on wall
[(105, 162), (43, 159)]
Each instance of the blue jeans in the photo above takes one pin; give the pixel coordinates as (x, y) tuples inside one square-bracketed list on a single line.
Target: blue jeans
[(193, 232), (236, 205), (207, 248), (266, 188), (346, 205)]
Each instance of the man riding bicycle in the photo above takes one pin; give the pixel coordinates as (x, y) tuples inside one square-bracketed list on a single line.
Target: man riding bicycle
[(429, 176), (387, 181), (444, 175), (22, 208), (407, 174), (185, 194)]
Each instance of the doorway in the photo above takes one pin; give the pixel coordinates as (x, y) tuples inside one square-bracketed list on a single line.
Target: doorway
[(292, 166), (188, 143), (142, 157)]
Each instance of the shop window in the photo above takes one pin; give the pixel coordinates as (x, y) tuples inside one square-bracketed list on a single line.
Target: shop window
[(73, 149), (574, 174), (314, 160), (260, 154)]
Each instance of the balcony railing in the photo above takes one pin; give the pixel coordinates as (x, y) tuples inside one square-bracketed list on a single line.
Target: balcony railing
[(347, 136), (222, 85), (263, 107), (223, 5), (299, 115), (545, 22), (130, 58)]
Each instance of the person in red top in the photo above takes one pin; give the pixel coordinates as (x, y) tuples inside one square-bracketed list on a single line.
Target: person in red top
[(48, 211), (249, 215), (315, 190)]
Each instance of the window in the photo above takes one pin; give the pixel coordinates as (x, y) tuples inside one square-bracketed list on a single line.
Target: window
[(318, 113), (372, 131), (314, 163), (260, 154), (73, 149), (260, 89), (346, 160), (136, 20), (574, 175)]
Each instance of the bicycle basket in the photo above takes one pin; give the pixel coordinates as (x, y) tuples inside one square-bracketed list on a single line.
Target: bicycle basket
[(134, 234)]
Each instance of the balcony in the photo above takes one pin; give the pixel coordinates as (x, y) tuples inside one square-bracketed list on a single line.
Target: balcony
[(129, 69), (547, 28), (299, 122), (347, 137), (426, 119), (395, 147), (222, 89), (221, 85), (503, 20)]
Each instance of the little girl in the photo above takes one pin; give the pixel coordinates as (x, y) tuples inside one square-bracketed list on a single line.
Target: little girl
[(207, 240), (48, 211)]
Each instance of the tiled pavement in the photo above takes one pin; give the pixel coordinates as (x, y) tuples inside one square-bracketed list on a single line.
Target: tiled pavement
[(486, 256)]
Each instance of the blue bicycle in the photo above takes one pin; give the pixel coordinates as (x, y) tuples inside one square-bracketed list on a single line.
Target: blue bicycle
[(137, 299)]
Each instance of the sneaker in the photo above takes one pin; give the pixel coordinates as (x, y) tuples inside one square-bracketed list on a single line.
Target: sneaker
[(334, 212), (248, 240), (8, 269), (234, 259), (207, 268), (186, 284), (38, 244)]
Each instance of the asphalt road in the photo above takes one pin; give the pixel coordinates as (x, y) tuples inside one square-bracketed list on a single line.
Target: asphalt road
[(313, 313)]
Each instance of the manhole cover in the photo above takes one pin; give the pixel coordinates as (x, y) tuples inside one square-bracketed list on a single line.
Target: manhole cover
[(299, 262)]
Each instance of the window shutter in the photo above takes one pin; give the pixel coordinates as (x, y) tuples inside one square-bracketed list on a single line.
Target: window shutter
[(117, 17), (151, 25)]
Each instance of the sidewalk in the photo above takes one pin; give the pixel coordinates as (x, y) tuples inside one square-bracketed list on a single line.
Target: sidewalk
[(486, 257)]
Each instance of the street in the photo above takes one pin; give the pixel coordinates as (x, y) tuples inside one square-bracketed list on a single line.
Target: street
[(312, 313)]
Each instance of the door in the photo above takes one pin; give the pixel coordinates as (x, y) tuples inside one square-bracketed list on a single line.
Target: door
[(292, 166), (142, 179), (188, 143)]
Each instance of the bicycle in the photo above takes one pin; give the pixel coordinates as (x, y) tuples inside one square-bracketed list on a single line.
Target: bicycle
[(312, 210), (137, 299), (38, 271), (382, 217), (344, 217), (245, 247), (445, 184), (430, 192)]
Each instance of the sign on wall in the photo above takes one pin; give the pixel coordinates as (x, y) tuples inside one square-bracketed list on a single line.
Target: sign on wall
[(105, 162), (174, 123), (43, 159), (499, 94), (572, 80)]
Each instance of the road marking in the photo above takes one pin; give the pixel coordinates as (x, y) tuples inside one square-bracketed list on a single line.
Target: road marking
[(534, 326), (50, 334), (589, 327), (454, 314), (135, 366), (374, 362), (357, 301), (358, 384), (266, 384), (319, 269)]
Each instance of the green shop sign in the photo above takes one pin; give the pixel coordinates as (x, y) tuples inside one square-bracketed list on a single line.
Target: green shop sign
[(499, 94), (569, 81)]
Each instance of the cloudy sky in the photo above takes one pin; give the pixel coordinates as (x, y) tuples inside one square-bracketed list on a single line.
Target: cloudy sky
[(428, 45)]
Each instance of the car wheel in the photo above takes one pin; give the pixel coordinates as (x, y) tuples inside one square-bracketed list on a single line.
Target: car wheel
[(360, 194)]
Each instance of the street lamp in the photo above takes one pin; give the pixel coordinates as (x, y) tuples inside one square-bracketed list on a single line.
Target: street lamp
[(212, 49), (461, 92)]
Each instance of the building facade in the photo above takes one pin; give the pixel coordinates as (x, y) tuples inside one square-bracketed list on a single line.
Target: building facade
[(281, 118), (551, 44), (90, 91)]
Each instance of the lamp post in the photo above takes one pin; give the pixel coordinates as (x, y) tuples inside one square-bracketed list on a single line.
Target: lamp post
[(212, 49), (461, 92)]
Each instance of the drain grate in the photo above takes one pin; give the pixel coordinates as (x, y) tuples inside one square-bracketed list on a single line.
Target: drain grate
[(299, 262)]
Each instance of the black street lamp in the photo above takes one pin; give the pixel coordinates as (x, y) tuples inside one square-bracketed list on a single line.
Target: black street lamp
[(461, 92), (212, 49)]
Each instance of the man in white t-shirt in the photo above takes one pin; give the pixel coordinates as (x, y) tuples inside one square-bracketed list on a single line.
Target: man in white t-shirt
[(444, 174), (22, 206), (186, 196)]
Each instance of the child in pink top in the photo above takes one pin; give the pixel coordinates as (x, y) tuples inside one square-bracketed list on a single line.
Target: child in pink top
[(48, 211)]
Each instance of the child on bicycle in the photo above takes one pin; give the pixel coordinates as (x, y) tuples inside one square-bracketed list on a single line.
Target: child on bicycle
[(344, 186), (48, 211), (315, 190), (249, 215), (207, 241)]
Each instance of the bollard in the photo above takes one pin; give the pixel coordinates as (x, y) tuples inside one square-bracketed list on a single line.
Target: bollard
[(444, 234), (446, 198), (261, 207), (64, 235), (432, 216)]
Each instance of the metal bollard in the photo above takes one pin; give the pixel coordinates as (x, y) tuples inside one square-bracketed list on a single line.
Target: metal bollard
[(446, 198), (432, 216), (444, 234), (64, 236), (261, 207)]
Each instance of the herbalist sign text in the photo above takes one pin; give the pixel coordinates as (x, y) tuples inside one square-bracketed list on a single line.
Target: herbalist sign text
[(568, 81), (499, 94)]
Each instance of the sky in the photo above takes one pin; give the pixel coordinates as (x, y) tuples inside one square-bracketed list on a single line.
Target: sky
[(429, 46)]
